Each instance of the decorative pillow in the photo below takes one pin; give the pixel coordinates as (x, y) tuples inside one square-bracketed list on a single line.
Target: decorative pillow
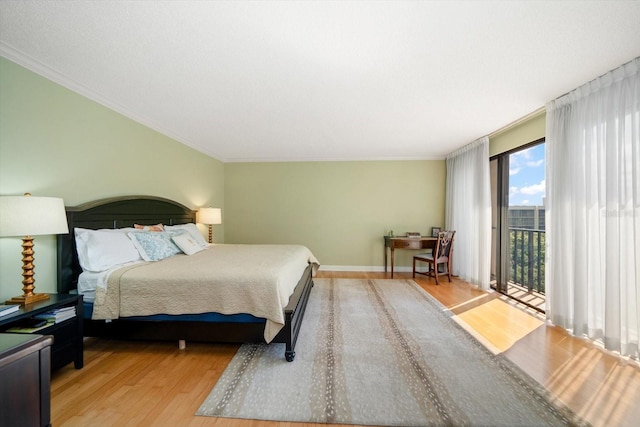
[(193, 231), (157, 227), (100, 250), (187, 244), (154, 245)]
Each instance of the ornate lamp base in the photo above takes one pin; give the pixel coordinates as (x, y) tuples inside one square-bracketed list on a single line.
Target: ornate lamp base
[(27, 297), (210, 233)]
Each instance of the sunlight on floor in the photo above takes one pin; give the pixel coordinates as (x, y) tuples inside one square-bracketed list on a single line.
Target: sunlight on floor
[(502, 324), (616, 381)]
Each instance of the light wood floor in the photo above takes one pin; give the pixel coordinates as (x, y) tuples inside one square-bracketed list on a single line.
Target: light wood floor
[(155, 384)]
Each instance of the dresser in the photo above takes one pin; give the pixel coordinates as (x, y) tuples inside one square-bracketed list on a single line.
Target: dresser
[(25, 386), (403, 242)]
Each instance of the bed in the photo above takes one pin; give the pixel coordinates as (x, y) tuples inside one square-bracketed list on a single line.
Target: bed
[(180, 316)]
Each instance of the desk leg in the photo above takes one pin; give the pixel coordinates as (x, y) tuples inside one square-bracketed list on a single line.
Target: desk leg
[(385, 258), (392, 260)]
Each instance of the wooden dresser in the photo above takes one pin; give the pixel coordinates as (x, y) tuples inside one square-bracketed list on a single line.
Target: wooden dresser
[(25, 380)]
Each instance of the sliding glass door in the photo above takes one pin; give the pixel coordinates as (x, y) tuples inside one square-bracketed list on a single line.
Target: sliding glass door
[(518, 224)]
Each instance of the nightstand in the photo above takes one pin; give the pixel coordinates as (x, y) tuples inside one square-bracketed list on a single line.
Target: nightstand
[(67, 345)]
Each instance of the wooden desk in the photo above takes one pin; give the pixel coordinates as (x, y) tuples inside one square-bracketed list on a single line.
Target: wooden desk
[(403, 242)]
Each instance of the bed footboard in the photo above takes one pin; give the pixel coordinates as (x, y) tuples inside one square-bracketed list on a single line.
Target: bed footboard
[(294, 313)]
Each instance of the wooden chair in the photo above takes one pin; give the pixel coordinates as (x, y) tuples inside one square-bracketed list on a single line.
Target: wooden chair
[(441, 255)]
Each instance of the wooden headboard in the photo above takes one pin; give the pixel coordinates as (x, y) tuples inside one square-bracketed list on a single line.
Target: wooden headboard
[(117, 212)]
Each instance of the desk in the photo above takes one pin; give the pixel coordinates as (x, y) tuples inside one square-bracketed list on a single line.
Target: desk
[(404, 242)]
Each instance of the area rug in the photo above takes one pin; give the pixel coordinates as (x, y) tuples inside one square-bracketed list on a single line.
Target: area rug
[(381, 352)]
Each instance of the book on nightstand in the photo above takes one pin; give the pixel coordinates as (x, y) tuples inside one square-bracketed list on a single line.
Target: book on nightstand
[(28, 326), (8, 309), (58, 315)]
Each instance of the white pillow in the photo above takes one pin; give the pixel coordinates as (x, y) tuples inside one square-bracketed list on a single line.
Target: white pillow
[(193, 231), (100, 250), (155, 245), (187, 243)]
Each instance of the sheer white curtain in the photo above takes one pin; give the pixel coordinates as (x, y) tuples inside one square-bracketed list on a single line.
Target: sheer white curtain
[(593, 210), (468, 211)]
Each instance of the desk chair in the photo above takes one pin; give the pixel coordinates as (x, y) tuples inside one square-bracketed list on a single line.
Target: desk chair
[(441, 255)]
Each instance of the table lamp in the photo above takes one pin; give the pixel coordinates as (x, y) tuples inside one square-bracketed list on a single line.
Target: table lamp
[(210, 216), (30, 216)]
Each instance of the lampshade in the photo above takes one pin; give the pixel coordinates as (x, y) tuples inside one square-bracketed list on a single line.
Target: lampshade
[(32, 216), (210, 216)]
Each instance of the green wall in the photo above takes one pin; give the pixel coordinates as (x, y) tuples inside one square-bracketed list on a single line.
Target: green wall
[(340, 210), (528, 131), (54, 142)]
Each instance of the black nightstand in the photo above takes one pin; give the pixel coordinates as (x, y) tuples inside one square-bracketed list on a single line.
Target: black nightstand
[(67, 345)]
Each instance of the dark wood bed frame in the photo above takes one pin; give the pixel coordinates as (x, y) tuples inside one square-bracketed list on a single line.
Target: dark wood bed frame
[(124, 212)]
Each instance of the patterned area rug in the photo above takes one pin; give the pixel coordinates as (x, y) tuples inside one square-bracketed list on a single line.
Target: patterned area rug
[(380, 352)]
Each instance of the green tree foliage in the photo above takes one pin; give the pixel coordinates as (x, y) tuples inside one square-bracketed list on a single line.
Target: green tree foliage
[(527, 249)]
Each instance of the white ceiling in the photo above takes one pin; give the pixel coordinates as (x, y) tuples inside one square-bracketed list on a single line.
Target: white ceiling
[(348, 80)]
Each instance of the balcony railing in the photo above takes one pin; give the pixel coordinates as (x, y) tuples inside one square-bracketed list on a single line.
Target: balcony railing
[(527, 247)]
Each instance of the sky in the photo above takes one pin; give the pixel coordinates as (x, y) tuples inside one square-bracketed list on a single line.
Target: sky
[(526, 177)]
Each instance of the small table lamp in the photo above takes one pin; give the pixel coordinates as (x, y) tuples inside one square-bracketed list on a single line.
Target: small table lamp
[(210, 216), (30, 216)]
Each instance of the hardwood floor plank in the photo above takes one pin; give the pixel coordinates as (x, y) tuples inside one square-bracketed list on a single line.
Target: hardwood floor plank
[(504, 323), (156, 384)]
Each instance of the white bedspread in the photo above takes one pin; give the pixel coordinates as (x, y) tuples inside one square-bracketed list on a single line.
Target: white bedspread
[(228, 279)]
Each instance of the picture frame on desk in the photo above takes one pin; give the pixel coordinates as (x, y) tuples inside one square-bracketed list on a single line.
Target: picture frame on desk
[(435, 231)]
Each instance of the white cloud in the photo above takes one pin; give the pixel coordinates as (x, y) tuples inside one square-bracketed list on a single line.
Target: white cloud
[(525, 202), (534, 189), (526, 154), (522, 159), (513, 171)]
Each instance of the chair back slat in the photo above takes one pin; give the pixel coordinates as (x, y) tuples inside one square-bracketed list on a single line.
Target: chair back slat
[(444, 244)]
